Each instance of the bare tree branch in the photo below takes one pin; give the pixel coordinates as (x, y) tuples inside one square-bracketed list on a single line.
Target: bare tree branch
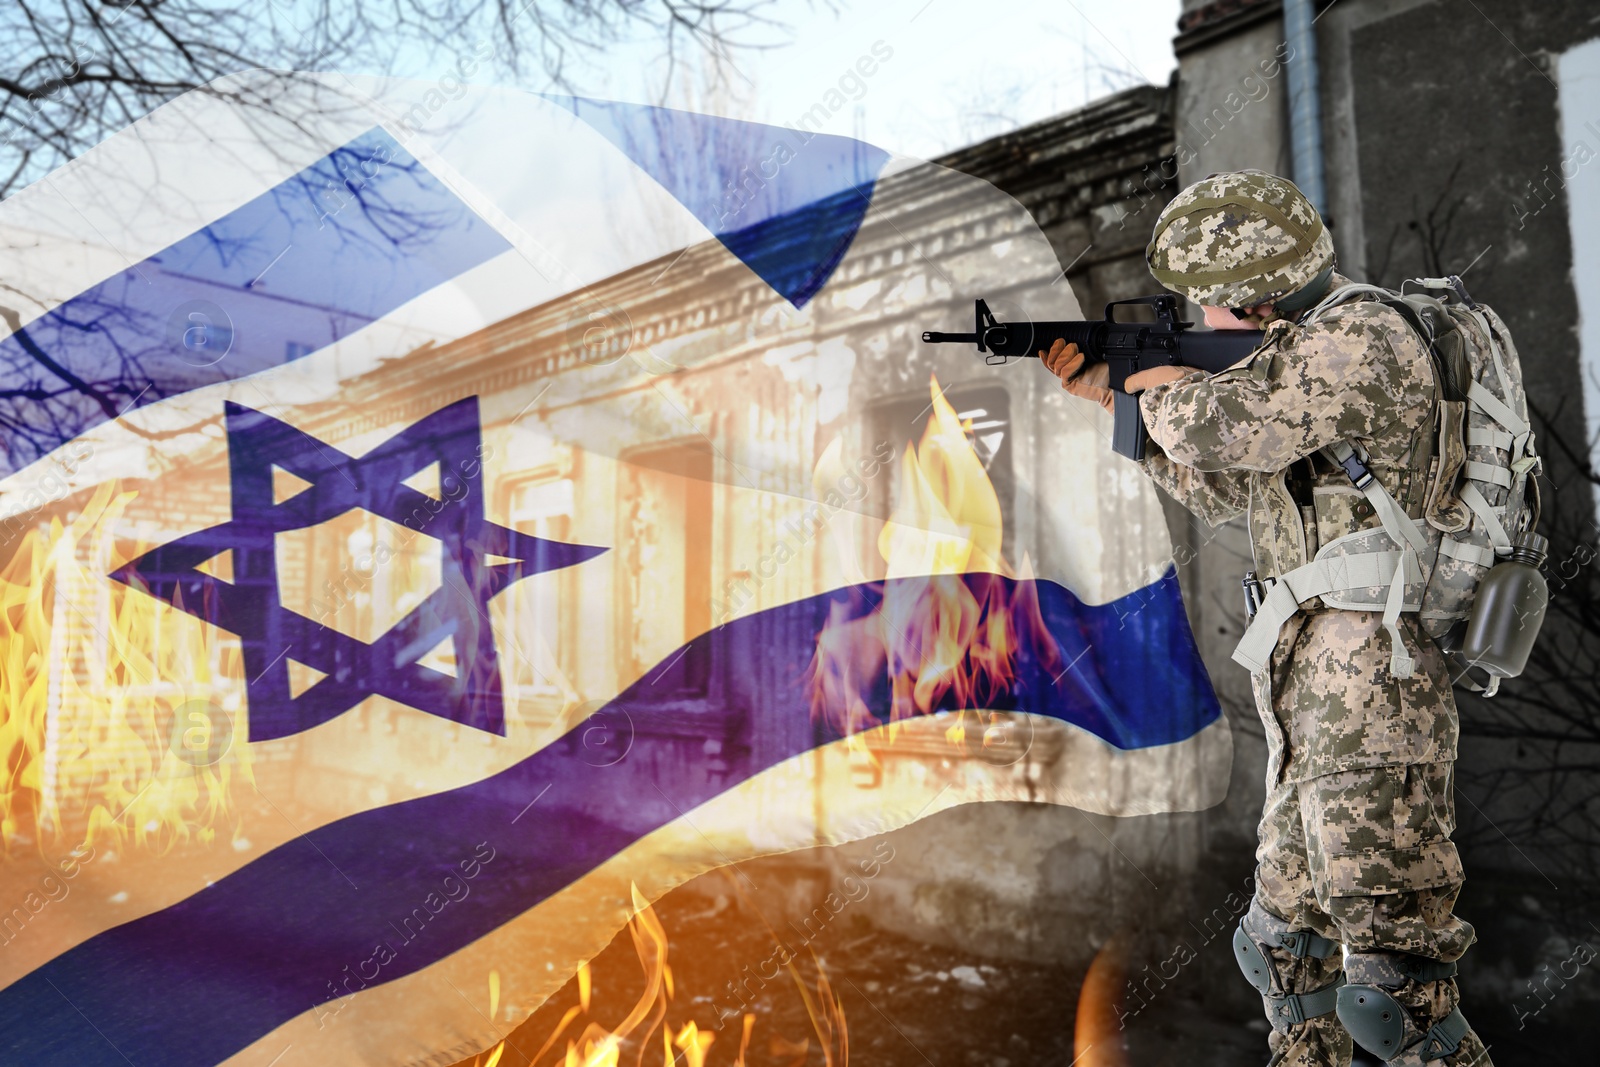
[(75, 71)]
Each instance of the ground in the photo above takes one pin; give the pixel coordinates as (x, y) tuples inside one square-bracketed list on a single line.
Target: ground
[(905, 1003)]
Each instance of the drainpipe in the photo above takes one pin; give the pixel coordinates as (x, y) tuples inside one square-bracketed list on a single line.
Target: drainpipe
[(1305, 109)]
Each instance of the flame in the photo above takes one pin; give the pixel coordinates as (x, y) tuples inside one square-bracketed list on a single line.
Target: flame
[(494, 1006), (694, 1044), (827, 1016), (686, 1044), (949, 627), (947, 520), (103, 691), (1098, 1039)]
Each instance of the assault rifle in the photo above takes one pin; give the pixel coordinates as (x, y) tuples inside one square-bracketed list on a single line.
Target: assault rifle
[(1127, 347)]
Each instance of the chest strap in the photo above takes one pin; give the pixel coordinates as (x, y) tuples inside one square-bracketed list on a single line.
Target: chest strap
[(1287, 592)]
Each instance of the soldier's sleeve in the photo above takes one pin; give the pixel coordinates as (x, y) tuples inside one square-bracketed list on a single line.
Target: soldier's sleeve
[(1213, 496), (1301, 391)]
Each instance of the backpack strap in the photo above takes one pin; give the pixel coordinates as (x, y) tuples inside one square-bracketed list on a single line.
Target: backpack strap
[(1342, 294), (1402, 530), (1287, 592), (1493, 473), (1472, 498), (1466, 552), (1494, 349), (1486, 402), (1514, 436), (1490, 437)]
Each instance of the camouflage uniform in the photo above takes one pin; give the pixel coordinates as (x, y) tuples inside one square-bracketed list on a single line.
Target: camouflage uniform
[(1355, 836)]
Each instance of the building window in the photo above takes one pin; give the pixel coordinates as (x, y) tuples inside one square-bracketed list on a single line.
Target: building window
[(665, 539), (541, 603)]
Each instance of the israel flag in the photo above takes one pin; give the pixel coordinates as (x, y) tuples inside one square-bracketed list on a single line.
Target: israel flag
[(434, 525)]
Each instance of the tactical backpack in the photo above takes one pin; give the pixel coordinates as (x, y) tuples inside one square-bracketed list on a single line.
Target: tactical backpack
[(1476, 496)]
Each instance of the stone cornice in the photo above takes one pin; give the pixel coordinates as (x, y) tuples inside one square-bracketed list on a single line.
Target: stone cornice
[(1080, 146)]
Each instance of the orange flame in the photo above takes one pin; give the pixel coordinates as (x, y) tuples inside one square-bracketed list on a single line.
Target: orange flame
[(118, 714), (1098, 1039), (950, 626), (827, 1016), (688, 1044)]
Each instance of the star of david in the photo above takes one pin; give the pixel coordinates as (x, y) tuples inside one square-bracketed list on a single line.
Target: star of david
[(478, 560)]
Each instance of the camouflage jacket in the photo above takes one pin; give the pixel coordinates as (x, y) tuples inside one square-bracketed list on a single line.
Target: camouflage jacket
[(1247, 440)]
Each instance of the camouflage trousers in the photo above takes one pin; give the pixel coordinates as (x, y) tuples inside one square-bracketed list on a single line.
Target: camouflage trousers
[(1363, 857)]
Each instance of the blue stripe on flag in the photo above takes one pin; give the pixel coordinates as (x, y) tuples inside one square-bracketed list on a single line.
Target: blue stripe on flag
[(344, 242), (204, 978), (787, 202)]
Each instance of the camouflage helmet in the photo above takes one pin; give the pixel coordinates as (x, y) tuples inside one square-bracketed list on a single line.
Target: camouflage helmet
[(1239, 239)]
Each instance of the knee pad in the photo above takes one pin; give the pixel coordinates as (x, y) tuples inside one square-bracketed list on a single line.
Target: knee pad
[(1259, 934), (1268, 931), (1376, 1019)]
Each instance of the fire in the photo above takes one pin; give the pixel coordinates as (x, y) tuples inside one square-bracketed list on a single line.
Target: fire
[(686, 1044), (119, 715), (827, 1017), (1098, 1039), (948, 625), (947, 520)]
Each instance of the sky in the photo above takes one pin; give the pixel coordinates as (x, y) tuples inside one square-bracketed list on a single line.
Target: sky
[(957, 72)]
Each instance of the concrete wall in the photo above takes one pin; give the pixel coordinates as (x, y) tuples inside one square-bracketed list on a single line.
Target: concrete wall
[(1231, 92)]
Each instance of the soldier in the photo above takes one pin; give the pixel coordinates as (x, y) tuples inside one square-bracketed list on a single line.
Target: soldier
[(1355, 857)]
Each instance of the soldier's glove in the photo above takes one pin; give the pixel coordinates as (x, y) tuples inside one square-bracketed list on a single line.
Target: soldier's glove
[(1091, 383)]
